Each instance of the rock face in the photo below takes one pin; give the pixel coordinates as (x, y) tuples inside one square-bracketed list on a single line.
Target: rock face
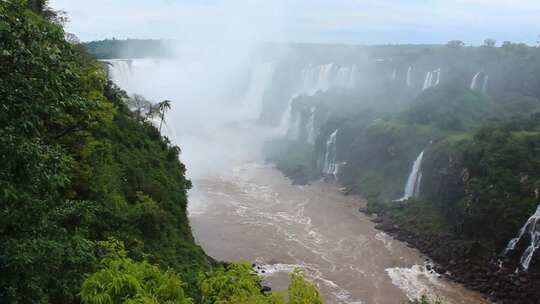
[(502, 285)]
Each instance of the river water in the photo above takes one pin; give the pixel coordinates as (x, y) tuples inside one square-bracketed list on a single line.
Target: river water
[(253, 213)]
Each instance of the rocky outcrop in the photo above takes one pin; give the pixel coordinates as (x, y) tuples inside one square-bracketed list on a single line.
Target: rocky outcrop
[(458, 260)]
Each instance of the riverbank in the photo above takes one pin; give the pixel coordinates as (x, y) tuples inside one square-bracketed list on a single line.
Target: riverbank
[(473, 263), (453, 261)]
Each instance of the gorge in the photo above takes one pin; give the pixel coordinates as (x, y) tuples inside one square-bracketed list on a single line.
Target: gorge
[(217, 167), (334, 121)]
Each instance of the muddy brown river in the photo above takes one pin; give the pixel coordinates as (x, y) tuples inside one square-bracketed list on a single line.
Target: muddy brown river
[(253, 213)]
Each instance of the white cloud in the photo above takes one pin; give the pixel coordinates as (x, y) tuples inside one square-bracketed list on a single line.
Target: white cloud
[(347, 21)]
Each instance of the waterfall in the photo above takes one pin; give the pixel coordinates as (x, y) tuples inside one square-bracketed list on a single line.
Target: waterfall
[(394, 75), (531, 230), (427, 81), (310, 126), (412, 187), (286, 118), (485, 85), (315, 78), (120, 70), (293, 132), (438, 79), (330, 154), (432, 79), (409, 72), (475, 82), (325, 77), (261, 81)]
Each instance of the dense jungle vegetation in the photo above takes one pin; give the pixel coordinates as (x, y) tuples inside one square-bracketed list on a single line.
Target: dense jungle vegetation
[(93, 199)]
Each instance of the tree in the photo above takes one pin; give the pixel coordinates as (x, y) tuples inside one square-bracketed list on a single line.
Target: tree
[(490, 42), (302, 291), (163, 107), (233, 284), (123, 280), (38, 6), (239, 284), (41, 7), (455, 44), (140, 105)]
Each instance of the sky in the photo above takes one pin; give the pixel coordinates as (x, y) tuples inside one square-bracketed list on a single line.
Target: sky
[(317, 21)]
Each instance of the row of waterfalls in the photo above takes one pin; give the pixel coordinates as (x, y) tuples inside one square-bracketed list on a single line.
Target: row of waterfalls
[(322, 78), (432, 79)]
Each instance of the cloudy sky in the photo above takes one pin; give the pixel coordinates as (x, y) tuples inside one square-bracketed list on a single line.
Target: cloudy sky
[(331, 21)]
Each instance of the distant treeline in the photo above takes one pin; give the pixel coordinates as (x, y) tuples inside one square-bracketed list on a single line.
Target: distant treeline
[(129, 48)]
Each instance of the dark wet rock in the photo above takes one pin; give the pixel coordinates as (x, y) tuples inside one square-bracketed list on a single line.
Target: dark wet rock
[(266, 289), (450, 257)]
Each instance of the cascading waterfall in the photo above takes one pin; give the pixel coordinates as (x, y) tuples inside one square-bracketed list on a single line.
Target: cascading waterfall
[(310, 126), (475, 82), (531, 232), (412, 187), (286, 118), (409, 72), (312, 80), (293, 132), (327, 76), (438, 79), (261, 81), (432, 79), (330, 167), (119, 70), (485, 85), (427, 81)]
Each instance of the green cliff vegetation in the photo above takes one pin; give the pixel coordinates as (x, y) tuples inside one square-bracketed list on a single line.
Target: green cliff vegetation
[(92, 196), (128, 48), (78, 167), (120, 279)]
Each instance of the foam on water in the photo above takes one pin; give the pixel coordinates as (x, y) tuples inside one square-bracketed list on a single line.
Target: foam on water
[(415, 281), (385, 239), (313, 274)]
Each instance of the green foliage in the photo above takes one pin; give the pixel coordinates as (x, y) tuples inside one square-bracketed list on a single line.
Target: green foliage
[(424, 300), (78, 167), (235, 283), (239, 284), (302, 291), (122, 280), (449, 108)]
